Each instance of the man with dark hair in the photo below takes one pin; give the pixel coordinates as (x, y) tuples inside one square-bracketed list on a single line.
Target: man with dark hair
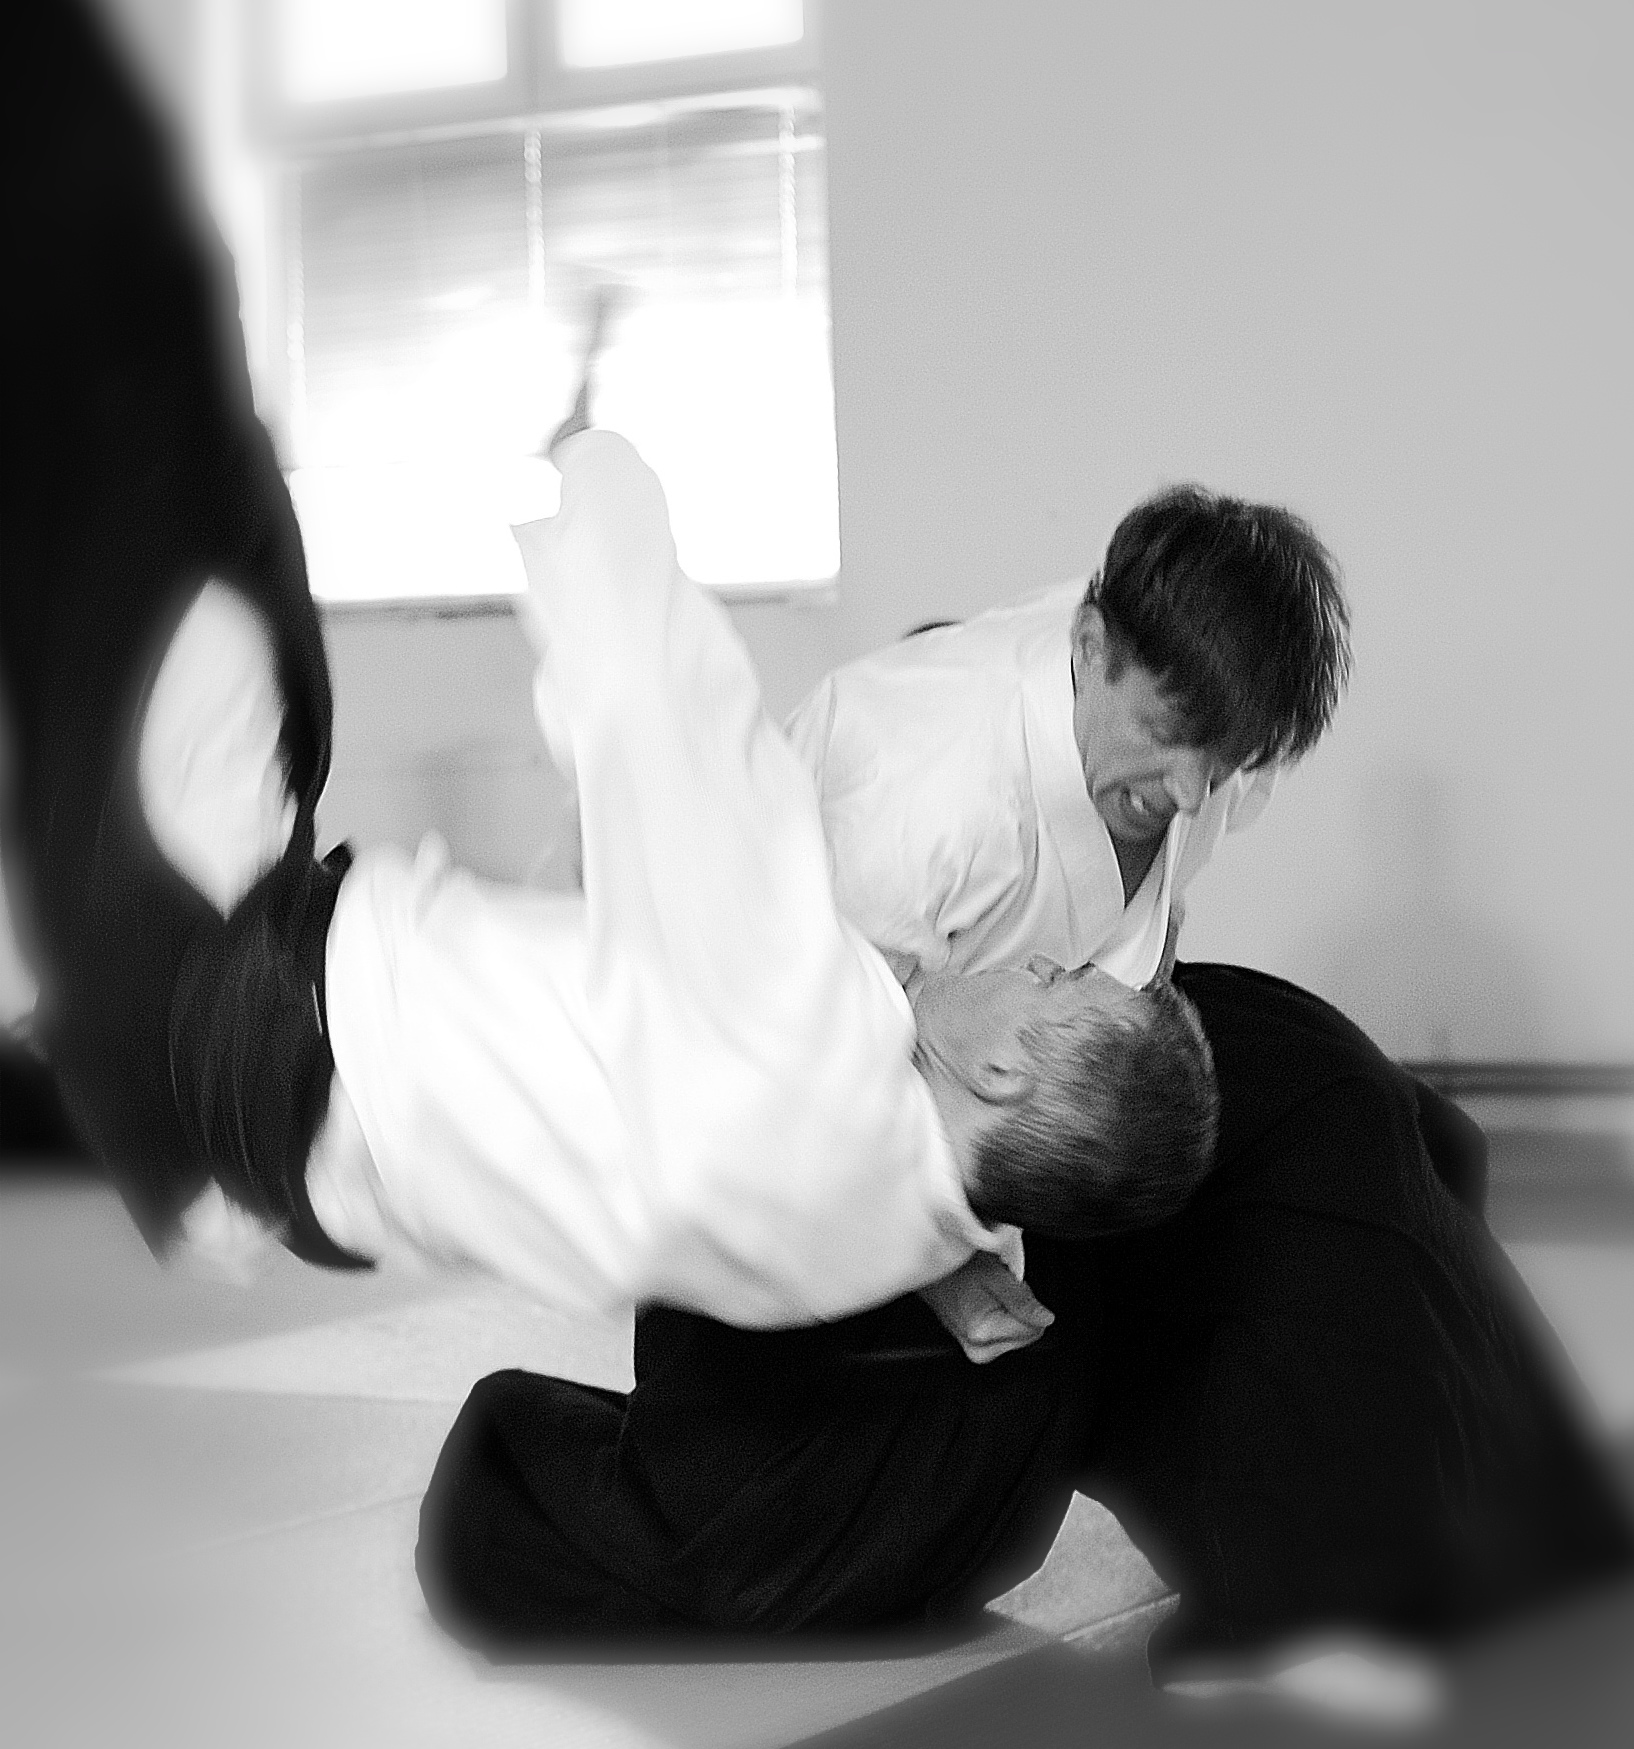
[(1049, 777), (1236, 612)]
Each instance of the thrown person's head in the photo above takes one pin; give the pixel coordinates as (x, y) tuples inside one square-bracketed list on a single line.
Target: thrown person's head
[(1214, 638), (1076, 1106)]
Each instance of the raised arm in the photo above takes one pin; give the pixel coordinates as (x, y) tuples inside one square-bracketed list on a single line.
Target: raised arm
[(701, 841), (761, 1058)]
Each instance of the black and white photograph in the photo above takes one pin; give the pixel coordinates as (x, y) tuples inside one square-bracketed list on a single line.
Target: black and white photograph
[(816, 845)]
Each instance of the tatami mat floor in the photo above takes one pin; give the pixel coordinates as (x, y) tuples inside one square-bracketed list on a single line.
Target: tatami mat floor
[(208, 1500)]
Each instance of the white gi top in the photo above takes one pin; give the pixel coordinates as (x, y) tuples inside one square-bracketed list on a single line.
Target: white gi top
[(961, 834), (694, 1083)]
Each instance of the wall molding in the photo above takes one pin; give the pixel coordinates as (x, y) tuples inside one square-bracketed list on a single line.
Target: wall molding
[(814, 592), (1535, 1080)]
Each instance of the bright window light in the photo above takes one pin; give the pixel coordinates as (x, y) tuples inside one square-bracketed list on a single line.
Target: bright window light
[(622, 33), (438, 299), (332, 51), (732, 405), (390, 530)]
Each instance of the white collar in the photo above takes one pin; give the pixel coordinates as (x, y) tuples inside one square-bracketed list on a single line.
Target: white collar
[(1078, 833)]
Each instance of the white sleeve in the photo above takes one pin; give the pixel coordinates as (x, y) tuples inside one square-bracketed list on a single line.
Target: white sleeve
[(1251, 797), (701, 838), (809, 730), (763, 1069), (1234, 806), (890, 882)]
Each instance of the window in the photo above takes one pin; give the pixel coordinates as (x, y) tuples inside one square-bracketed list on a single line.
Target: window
[(331, 51), (621, 33), (434, 282)]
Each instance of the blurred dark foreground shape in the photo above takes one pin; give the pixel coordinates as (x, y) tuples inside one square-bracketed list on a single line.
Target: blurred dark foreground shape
[(134, 470), (35, 1128)]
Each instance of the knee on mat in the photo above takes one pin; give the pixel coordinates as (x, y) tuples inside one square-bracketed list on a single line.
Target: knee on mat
[(473, 1526), (456, 1522), (507, 1556)]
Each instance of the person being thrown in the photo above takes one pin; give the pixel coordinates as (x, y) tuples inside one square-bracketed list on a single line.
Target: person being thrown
[(580, 1102), (694, 1083)]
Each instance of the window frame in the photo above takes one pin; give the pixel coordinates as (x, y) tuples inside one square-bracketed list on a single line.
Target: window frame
[(535, 84)]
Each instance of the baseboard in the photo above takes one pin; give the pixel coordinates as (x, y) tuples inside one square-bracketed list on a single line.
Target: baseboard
[(1527, 1080)]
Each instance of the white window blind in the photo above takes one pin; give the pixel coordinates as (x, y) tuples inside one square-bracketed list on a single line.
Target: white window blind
[(436, 298)]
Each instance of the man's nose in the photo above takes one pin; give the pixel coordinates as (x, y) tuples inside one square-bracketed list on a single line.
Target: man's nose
[(1187, 783)]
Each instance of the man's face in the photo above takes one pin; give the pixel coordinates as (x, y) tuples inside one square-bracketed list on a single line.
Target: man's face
[(971, 1026), (1138, 768)]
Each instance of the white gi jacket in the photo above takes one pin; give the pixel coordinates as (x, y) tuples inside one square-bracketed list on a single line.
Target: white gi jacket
[(694, 1083), (960, 831)]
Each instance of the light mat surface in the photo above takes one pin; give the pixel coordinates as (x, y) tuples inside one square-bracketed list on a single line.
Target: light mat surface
[(430, 1352), (1587, 1292)]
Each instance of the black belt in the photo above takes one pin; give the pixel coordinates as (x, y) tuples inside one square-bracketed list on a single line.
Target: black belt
[(249, 1046)]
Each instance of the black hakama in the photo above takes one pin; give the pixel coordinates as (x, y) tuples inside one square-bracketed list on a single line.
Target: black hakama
[(1319, 1399)]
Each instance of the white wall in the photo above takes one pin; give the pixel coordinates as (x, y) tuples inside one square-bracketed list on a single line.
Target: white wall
[(1373, 260)]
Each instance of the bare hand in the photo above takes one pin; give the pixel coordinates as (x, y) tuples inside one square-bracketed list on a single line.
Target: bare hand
[(602, 307), (986, 1309)]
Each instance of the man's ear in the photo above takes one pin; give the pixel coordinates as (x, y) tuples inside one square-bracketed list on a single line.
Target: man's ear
[(1003, 1078), (1088, 639)]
